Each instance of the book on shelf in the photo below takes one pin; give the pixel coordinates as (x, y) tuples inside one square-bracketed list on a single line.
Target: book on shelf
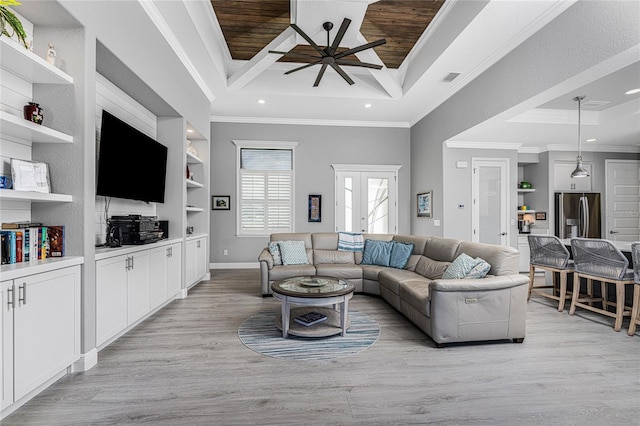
[(310, 318), (19, 245), (19, 225)]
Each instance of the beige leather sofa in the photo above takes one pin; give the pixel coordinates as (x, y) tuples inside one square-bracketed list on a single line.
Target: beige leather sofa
[(448, 310)]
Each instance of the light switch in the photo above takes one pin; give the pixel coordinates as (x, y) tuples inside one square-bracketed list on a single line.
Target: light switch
[(436, 222)]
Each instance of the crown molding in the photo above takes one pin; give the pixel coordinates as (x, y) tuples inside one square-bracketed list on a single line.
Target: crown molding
[(163, 27), (309, 122), (593, 148), (482, 145)]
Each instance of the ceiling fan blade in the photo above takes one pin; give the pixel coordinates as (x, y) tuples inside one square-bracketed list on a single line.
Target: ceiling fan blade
[(336, 41), (360, 48), (358, 64), (299, 55), (309, 40), (320, 74), (302, 67), (342, 73)]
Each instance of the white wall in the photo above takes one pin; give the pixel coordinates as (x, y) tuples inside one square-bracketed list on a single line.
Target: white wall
[(318, 147)]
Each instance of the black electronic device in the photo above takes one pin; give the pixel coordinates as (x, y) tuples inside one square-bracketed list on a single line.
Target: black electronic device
[(136, 229), (131, 164)]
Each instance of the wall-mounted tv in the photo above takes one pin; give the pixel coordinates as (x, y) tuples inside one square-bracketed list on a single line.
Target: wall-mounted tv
[(131, 165)]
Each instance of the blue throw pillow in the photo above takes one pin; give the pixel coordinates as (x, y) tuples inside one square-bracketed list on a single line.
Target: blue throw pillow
[(293, 253), (377, 252), (481, 269), (400, 254), (274, 249)]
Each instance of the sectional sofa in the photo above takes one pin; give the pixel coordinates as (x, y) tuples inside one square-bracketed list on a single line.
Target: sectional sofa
[(448, 310)]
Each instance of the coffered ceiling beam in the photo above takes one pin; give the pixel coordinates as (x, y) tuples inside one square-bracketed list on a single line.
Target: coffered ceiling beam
[(383, 76)]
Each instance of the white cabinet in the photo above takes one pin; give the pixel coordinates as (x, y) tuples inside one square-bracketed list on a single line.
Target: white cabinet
[(40, 330), (165, 274), (196, 260), (523, 248), (562, 180), (122, 293)]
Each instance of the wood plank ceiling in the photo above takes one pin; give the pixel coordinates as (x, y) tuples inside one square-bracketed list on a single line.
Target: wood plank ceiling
[(249, 25)]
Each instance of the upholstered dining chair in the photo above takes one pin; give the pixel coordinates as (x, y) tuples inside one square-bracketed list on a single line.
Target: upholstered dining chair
[(635, 311), (599, 260), (549, 254)]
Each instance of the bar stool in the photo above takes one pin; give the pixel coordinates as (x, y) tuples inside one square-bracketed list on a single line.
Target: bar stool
[(635, 311), (548, 253), (600, 260)]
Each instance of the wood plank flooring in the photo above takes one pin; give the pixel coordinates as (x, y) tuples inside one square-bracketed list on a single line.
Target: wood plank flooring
[(186, 366)]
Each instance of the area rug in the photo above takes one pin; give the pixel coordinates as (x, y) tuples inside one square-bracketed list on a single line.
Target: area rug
[(259, 333)]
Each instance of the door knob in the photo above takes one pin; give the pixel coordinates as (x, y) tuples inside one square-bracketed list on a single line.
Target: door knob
[(613, 232), (503, 234)]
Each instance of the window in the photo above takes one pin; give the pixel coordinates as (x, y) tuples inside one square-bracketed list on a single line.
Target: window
[(265, 187)]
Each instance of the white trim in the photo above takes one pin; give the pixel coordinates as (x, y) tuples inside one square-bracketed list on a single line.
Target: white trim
[(234, 265), (264, 144), (86, 362), (505, 189), (309, 122), (608, 162), (594, 148), (482, 145), (366, 167), (164, 28)]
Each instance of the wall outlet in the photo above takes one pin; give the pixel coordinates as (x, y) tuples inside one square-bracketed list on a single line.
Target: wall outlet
[(225, 252), (436, 222)]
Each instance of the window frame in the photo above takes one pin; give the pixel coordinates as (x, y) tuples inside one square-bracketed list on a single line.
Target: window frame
[(246, 144)]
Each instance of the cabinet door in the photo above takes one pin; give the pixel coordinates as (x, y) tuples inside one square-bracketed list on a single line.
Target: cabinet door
[(201, 258), (191, 262), (158, 277), (111, 297), (174, 270), (523, 248), (564, 182), (138, 287), (6, 354), (46, 327)]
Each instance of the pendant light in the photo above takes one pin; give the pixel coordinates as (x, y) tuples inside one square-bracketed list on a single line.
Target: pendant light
[(580, 171)]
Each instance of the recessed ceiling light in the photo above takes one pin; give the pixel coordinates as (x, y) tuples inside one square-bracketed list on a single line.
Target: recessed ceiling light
[(367, 105), (632, 91), (189, 130), (261, 101), (591, 140)]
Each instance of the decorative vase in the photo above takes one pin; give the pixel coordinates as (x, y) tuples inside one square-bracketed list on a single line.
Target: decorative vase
[(34, 113)]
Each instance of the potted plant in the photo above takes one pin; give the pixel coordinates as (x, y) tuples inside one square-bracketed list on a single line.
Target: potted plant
[(10, 22)]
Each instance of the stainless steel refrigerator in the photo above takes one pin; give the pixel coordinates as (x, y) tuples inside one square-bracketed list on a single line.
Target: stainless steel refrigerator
[(577, 214)]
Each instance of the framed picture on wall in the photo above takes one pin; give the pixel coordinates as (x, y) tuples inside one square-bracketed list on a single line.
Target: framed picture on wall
[(315, 208), (541, 215), (425, 204), (220, 202)]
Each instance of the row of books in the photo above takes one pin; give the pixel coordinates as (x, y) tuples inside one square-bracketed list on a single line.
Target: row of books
[(26, 242)]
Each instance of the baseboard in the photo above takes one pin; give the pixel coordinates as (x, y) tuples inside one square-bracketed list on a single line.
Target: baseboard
[(183, 294), (238, 265), (86, 362)]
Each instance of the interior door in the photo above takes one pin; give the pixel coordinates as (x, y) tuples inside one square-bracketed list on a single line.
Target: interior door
[(623, 200), (490, 214), (366, 201)]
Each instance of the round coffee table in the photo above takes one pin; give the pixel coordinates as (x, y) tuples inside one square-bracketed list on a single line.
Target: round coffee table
[(313, 293)]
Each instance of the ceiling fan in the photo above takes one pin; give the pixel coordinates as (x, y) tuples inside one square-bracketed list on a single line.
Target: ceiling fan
[(329, 56)]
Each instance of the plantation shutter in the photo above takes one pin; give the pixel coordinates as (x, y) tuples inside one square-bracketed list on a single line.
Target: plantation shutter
[(265, 190)]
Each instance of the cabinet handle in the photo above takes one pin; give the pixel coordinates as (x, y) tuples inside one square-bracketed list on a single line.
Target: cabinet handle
[(132, 262), (11, 297), (22, 298), (198, 244), (170, 252), (126, 264)]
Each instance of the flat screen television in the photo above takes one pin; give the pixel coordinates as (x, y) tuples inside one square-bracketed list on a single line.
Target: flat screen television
[(131, 164)]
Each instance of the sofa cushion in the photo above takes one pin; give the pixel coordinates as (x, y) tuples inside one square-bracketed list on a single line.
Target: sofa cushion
[(430, 268), (413, 262), (342, 271), (416, 294), (419, 243), (287, 271), (503, 260), (377, 252), (371, 272), (293, 252), (332, 256), (324, 240), (442, 249), (391, 278), (298, 236), (400, 253), (274, 249), (350, 241)]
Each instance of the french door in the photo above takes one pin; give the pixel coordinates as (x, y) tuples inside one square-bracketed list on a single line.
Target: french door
[(490, 210), (366, 199)]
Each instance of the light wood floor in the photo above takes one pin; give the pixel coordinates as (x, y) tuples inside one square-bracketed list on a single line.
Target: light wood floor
[(186, 366)]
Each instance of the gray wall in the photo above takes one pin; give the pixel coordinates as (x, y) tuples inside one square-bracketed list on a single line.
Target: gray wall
[(318, 148)]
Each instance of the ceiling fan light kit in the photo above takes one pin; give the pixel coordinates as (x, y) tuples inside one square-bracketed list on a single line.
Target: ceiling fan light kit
[(329, 56), (580, 171)]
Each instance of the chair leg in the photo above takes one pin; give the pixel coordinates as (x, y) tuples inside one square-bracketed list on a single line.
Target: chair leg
[(635, 310), (532, 271), (590, 291), (603, 293), (619, 306), (575, 293), (563, 291)]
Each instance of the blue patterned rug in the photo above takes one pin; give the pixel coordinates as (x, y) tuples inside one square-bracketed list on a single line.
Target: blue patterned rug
[(259, 333)]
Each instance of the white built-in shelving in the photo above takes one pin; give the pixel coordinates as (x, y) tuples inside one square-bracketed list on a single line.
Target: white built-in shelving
[(34, 197), (192, 159), (29, 66), (193, 184), (191, 209), (526, 190), (24, 129)]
